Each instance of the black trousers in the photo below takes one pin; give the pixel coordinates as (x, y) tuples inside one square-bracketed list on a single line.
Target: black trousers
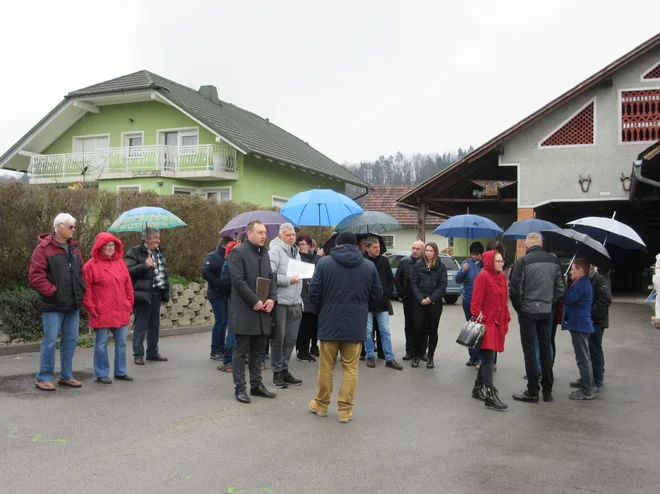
[(147, 322), (533, 326), (308, 326), (426, 319), (248, 348), (408, 323), (485, 374)]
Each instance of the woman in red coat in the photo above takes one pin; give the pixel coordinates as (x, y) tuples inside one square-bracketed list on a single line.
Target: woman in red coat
[(109, 301), (490, 298)]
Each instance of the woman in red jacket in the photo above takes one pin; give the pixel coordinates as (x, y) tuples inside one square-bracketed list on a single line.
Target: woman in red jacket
[(490, 298), (109, 301)]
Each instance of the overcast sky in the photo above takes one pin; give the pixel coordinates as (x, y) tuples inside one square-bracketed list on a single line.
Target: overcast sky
[(357, 79)]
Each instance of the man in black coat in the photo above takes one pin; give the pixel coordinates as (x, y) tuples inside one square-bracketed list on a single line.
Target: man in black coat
[(250, 316), (379, 309), (341, 289), (402, 281), (146, 265)]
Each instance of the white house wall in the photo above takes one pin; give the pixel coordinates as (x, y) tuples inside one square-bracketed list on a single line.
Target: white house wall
[(551, 174)]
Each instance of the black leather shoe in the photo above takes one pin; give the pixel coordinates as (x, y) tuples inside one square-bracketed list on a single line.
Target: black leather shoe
[(408, 356), (424, 357), (478, 392), (262, 391), (547, 398), (415, 362), (471, 362), (429, 363), (526, 396), (242, 396)]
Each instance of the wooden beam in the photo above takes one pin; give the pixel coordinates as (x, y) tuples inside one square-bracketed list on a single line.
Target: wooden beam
[(422, 209), (475, 200), (86, 106)]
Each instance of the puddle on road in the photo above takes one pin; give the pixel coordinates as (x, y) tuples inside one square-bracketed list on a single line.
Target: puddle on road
[(24, 384)]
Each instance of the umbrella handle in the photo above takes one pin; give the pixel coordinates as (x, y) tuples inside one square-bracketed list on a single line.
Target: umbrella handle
[(571, 263)]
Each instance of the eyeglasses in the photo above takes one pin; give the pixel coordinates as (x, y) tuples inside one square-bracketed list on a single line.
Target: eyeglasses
[(71, 227)]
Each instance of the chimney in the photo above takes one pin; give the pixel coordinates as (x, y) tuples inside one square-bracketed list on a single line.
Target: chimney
[(210, 93)]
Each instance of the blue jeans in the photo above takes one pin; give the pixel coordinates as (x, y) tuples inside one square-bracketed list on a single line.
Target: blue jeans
[(383, 319), (101, 360), (474, 354), (230, 342), (220, 326), (55, 323)]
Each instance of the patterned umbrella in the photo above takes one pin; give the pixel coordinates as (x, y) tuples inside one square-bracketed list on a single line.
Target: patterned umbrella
[(136, 220), (368, 222)]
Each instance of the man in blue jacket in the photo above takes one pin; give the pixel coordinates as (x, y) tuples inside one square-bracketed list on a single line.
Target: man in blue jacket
[(469, 271), (342, 286), (211, 270)]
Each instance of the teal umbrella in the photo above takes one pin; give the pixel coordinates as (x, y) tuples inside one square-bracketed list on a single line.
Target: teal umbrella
[(136, 220), (368, 222)]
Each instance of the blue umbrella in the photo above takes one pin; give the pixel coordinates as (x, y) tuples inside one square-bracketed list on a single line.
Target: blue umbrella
[(468, 226), (136, 220), (368, 222), (319, 207), (520, 229)]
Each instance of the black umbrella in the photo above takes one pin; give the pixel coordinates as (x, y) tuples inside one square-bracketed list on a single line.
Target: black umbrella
[(581, 245)]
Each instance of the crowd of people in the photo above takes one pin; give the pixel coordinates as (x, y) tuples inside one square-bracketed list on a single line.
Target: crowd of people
[(262, 311)]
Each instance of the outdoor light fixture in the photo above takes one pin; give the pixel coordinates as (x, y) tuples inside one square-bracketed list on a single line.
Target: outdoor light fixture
[(160, 184), (131, 120)]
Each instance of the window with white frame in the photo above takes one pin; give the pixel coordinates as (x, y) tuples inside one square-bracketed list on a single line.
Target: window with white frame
[(129, 188), (218, 194), (389, 241), (90, 144), (183, 191), (184, 139), (133, 143), (280, 201)]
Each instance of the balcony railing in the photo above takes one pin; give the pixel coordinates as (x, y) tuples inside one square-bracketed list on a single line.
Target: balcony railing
[(205, 157)]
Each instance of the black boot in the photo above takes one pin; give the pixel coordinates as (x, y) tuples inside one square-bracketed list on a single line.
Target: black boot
[(415, 362), (478, 392), (408, 356), (493, 400), (429, 363)]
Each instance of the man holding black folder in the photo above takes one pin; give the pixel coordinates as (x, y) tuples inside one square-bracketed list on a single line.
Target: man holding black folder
[(253, 294)]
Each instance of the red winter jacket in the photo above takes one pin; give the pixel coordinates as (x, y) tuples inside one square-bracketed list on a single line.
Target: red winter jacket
[(109, 296), (57, 277), (489, 296)]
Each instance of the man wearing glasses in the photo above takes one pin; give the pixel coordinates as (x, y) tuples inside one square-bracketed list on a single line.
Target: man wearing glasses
[(56, 272)]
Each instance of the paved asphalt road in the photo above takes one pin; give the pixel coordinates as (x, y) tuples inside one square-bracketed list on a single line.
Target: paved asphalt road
[(177, 428)]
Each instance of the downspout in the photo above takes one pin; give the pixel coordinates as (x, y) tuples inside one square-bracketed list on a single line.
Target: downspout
[(637, 173)]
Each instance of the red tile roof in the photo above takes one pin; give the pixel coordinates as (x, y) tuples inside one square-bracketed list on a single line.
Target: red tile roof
[(383, 198)]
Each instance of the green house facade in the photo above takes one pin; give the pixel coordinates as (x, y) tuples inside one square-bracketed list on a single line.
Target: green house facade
[(143, 132)]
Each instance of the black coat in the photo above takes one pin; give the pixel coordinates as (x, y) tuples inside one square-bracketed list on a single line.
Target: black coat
[(429, 282), (247, 262), (142, 276), (386, 277), (600, 310), (343, 284), (403, 277), (212, 270), (308, 306)]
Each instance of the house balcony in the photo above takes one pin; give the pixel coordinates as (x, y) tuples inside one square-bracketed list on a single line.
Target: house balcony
[(200, 162)]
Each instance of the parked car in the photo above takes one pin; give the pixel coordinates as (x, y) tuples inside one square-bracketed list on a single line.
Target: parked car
[(454, 290)]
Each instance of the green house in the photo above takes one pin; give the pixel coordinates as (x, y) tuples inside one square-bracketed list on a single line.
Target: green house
[(143, 132)]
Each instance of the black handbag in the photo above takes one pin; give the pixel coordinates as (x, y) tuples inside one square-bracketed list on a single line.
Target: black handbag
[(472, 334)]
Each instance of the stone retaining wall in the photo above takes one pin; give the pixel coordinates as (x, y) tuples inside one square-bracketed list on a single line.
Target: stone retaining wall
[(187, 307)]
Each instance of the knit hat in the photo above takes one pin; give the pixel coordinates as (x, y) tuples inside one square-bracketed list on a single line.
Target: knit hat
[(346, 238)]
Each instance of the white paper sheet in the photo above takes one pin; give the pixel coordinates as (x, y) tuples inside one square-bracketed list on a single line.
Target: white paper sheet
[(300, 269)]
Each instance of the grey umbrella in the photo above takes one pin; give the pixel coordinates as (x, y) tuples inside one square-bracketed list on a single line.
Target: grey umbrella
[(368, 222)]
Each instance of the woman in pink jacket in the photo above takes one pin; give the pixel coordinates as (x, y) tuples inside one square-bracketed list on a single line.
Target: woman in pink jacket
[(109, 301)]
